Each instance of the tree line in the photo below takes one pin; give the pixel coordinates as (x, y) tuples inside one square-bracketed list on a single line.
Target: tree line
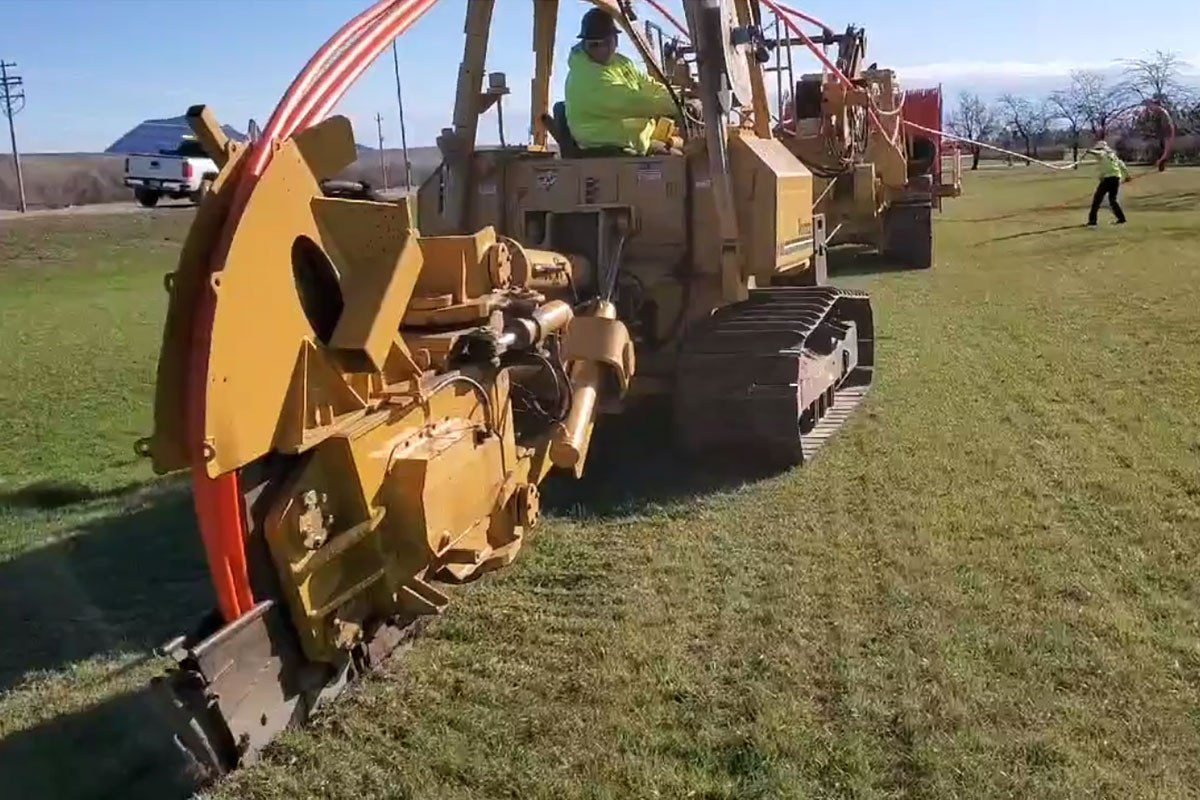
[(1091, 106)]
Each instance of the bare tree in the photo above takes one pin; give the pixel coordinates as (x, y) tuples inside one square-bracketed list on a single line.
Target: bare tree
[(972, 120), (1156, 79), (1064, 105), (1190, 119), (1096, 101), (1019, 116), (1043, 120)]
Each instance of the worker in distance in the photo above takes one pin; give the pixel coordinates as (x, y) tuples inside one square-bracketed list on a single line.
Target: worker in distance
[(1112, 173), (611, 105)]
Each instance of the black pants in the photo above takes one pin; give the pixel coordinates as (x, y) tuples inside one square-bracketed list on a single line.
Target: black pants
[(1110, 187)]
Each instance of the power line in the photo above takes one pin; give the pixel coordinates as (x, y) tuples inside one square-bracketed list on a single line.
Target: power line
[(382, 155), (13, 89), (403, 135)]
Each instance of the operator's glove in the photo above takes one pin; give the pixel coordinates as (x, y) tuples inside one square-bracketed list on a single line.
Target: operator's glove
[(694, 108)]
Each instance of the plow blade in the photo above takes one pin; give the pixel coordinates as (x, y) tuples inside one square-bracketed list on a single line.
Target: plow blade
[(775, 376), (235, 689)]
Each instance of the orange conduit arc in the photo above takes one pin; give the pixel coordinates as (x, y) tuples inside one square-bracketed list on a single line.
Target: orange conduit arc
[(284, 114), (800, 15), (316, 89), (667, 15), (360, 56), (829, 65)]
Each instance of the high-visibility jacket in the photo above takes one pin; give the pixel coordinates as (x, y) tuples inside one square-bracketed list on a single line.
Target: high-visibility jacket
[(613, 104), (1111, 166)]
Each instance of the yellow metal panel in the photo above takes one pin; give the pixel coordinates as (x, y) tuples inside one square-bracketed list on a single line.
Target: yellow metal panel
[(328, 147), (374, 249), (456, 266), (209, 133), (545, 21), (167, 445), (706, 228), (488, 185), (774, 196), (259, 320), (864, 190), (412, 490), (543, 185), (317, 403), (655, 187), (598, 182)]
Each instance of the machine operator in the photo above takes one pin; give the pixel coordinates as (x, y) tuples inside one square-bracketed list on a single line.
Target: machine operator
[(611, 105)]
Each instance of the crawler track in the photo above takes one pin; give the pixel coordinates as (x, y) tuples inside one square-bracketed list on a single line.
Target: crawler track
[(773, 377)]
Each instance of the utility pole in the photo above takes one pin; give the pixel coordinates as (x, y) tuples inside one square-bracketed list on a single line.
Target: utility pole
[(382, 155), (14, 93), (403, 135)]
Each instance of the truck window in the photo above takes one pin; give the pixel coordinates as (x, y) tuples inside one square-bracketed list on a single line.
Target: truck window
[(188, 148)]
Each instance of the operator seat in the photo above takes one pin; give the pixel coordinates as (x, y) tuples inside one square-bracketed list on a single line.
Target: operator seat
[(567, 146), (557, 125)]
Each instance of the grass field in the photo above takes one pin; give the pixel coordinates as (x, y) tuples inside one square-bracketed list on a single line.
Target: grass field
[(985, 588)]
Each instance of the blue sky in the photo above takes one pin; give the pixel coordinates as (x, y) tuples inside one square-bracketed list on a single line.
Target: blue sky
[(95, 68)]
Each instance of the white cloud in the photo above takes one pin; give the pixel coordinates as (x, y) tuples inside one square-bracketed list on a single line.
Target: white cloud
[(1009, 70)]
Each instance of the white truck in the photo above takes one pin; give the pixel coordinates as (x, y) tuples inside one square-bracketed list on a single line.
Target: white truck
[(183, 172)]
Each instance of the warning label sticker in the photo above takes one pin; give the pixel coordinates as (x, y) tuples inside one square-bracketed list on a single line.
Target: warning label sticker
[(649, 171)]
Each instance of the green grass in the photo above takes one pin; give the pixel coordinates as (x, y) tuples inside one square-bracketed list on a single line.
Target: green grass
[(98, 563), (985, 587)]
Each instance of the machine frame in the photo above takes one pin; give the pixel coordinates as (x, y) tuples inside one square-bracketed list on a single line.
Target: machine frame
[(379, 429)]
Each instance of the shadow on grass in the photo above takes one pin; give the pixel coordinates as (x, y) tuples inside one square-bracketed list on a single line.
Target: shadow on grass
[(851, 259), (120, 747), (126, 581), (632, 466), (1170, 201), (1027, 234), (50, 495)]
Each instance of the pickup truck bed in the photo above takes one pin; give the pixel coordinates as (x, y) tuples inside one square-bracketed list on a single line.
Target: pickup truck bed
[(184, 172)]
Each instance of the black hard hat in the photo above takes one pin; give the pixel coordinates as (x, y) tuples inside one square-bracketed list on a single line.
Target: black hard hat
[(598, 24)]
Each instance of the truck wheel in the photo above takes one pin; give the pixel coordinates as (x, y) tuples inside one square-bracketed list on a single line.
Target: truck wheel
[(200, 193), (146, 197)]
